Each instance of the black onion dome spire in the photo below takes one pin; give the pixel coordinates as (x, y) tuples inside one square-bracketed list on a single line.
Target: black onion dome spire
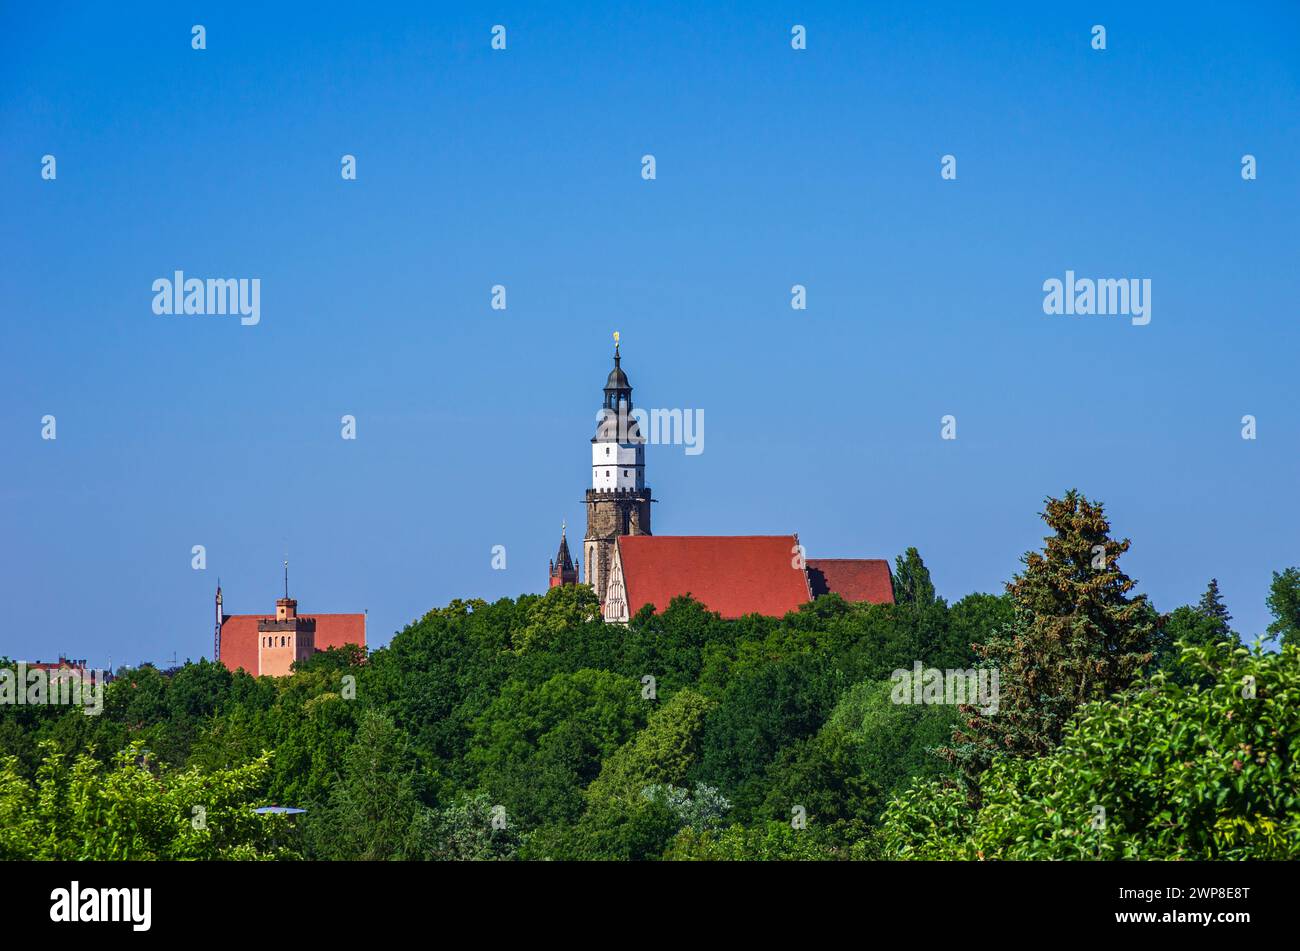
[(615, 423), (617, 385)]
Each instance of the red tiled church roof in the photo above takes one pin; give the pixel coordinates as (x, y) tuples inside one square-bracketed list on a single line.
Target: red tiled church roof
[(239, 636), (335, 630), (853, 579), (734, 575), (239, 641)]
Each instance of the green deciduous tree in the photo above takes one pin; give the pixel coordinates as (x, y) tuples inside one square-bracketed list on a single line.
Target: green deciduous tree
[(869, 748), (912, 584), (759, 715), (556, 615), (538, 746), (1284, 604), (662, 753), (973, 620), (471, 829)]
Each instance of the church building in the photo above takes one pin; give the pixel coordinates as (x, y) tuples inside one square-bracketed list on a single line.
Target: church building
[(629, 567)]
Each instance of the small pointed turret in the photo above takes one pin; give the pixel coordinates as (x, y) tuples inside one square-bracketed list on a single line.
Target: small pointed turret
[(563, 570)]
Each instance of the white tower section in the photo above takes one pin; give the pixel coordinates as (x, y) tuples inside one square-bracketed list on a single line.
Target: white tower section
[(617, 465)]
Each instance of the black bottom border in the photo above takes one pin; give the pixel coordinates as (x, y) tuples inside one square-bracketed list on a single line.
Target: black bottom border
[(947, 900)]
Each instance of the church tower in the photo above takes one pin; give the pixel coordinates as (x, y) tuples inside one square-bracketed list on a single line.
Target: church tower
[(618, 502), (563, 570)]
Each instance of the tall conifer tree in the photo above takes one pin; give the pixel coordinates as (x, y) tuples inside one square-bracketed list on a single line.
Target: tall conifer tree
[(1077, 635), (1212, 606)]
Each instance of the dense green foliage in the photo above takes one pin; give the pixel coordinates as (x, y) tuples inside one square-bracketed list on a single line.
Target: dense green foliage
[(1171, 771), (82, 810), (528, 728)]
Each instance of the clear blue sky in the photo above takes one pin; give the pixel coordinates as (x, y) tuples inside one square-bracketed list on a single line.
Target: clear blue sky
[(522, 167)]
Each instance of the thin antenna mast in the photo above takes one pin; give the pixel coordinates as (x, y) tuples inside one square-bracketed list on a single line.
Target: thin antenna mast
[(216, 631)]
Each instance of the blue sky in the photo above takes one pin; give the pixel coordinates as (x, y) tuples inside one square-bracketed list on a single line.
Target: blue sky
[(522, 167)]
